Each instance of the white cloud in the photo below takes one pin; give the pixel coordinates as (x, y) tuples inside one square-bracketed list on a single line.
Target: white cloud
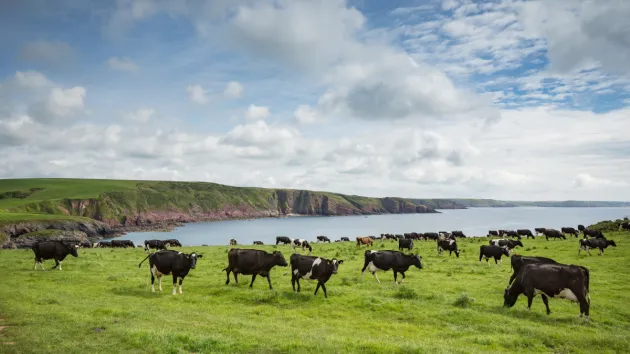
[(60, 105), (56, 52), (233, 89), (122, 64), (584, 180), (305, 114), (257, 112), (197, 94), (142, 115), (31, 79)]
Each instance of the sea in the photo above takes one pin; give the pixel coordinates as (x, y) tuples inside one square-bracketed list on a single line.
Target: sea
[(473, 222)]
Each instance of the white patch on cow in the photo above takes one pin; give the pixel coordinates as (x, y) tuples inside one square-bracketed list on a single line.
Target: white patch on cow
[(372, 252), (451, 242), (180, 289), (310, 273), (372, 268), (59, 265), (375, 277), (567, 294), (160, 283), (174, 289), (35, 266), (295, 272), (152, 288)]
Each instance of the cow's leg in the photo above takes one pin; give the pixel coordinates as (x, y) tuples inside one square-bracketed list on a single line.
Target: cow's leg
[(584, 305), (235, 276), (269, 281), (152, 281), (56, 264), (293, 281), (544, 298), (253, 278), (588, 250), (227, 271), (325, 292), (160, 282), (174, 283), (512, 277), (364, 267), (375, 277), (395, 276), (181, 280), (317, 287), (530, 298), (403, 277), (601, 251), (60, 262)]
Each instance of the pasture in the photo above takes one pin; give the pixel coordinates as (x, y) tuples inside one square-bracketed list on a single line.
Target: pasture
[(101, 303)]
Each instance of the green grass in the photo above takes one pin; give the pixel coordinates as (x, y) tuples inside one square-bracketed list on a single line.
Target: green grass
[(101, 302), (13, 218)]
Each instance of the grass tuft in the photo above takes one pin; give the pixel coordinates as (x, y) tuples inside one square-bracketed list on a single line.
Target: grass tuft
[(463, 301)]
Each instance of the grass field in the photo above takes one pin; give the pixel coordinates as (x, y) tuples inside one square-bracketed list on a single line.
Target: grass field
[(101, 303)]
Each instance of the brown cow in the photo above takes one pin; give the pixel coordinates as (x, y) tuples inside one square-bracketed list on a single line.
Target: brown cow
[(364, 241)]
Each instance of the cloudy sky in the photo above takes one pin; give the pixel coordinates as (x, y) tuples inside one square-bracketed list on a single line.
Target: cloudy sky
[(502, 99)]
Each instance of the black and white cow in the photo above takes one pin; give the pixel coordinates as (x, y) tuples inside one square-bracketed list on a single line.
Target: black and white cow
[(233, 242), (405, 243), (172, 243), (431, 236), (253, 262), (593, 233), (518, 262), (493, 233), (170, 262), (551, 233), (458, 234), (509, 244), (540, 231), (123, 244), (344, 239), (599, 243), (492, 251), (85, 244), (56, 250), (525, 232), (503, 232), (570, 231), (447, 245), (323, 239), (259, 243), (283, 240), (298, 242), (569, 282), (312, 268), (385, 260), (154, 244), (103, 244)]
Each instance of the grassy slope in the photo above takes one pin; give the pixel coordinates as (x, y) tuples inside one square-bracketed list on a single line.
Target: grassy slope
[(104, 289)]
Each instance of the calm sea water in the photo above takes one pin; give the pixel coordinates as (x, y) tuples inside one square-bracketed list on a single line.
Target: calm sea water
[(473, 222)]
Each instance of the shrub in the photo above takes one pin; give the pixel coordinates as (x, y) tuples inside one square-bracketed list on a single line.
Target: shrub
[(463, 301)]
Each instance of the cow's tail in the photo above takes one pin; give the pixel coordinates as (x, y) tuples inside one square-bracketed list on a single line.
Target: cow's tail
[(139, 265)]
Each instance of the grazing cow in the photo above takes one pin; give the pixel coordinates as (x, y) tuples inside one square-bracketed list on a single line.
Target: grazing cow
[(389, 237), (512, 233), (258, 243), (123, 244), (581, 228), (386, 260), (503, 232), (570, 231), (540, 231), (344, 239), (599, 243), (253, 262), (431, 236), (301, 243), (364, 241), (155, 244), (85, 244), (593, 233), (398, 236), (624, 226), (56, 250), (323, 239), (170, 261), (518, 262), (312, 268), (283, 240), (458, 234), (569, 282), (525, 232), (493, 251), (104, 244), (233, 242), (493, 233), (509, 244), (447, 245), (172, 243), (551, 233), (405, 243)]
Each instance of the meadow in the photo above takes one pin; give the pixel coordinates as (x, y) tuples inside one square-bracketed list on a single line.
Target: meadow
[(101, 302)]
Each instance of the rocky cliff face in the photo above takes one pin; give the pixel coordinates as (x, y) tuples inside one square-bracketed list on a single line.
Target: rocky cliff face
[(16, 234)]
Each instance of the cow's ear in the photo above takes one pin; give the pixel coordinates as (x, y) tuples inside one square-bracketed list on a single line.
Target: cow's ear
[(340, 261), (200, 256)]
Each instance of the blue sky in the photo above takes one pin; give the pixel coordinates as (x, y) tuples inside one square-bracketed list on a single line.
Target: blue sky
[(499, 99)]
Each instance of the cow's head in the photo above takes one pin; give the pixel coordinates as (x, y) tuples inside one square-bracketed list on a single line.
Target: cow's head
[(509, 299), (505, 251), (308, 245), (72, 249), (335, 264), (192, 258), (611, 243), (416, 260), (519, 243), (279, 259)]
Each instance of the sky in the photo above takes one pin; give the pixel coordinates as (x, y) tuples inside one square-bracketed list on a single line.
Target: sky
[(504, 99)]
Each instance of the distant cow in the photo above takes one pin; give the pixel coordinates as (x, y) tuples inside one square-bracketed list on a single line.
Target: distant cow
[(549, 280), (458, 234), (624, 226), (364, 241), (598, 243), (493, 233), (593, 233), (405, 243), (344, 239), (525, 232), (170, 262), (173, 243), (312, 268), (570, 231), (512, 233), (518, 262), (85, 244), (233, 242), (323, 239), (253, 262), (551, 233), (540, 230), (431, 236), (581, 228), (258, 243), (503, 232), (283, 240), (154, 244), (492, 251), (447, 245), (123, 243), (104, 244), (509, 244), (56, 250), (386, 260), (301, 243)]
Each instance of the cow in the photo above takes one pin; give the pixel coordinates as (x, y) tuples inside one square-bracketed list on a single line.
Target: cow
[(364, 241), (551, 233), (123, 244), (518, 262), (570, 231), (593, 233), (509, 244), (344, 239), (56, 250), (301, 243), (283, 240), (312, 268), (233, 242), (525, 232), (444, 235), (598, 243), (581, 228), (512, 233), (493, 233), (253, 262), (172, 243), (155, 244), (624, 226), (492, 251), (386, 260), (85, 244), (323, 239), (170, 262), (431, 236), (569, 282), (405, 243), (388, 237), (540, 231), (502, 232), (399, 236), (458, 234), (447, 245), (258, 243), (104, 244)]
